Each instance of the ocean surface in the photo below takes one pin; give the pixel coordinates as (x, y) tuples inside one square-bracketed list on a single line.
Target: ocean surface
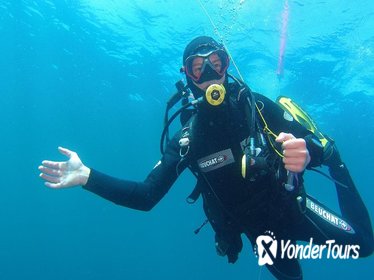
[(94, 76)]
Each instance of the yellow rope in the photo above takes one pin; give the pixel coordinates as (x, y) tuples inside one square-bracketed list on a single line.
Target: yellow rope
[(268, 132)]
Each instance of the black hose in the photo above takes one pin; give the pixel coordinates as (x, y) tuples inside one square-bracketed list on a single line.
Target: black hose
[(167, 124), (330, 178)]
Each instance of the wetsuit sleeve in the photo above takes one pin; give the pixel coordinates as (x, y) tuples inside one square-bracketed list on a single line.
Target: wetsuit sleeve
[(274, 116), (140, 195)]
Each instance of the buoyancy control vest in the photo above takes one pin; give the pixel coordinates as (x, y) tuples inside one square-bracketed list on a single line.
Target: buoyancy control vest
[(218, 138)]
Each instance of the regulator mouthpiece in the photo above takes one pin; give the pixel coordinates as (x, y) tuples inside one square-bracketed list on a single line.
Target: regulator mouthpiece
[(215, 94)]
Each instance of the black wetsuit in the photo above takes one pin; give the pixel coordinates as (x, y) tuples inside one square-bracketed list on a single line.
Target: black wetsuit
[(251, 206)]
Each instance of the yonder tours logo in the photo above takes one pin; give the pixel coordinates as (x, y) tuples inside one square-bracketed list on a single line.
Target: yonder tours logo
[(268, 249)]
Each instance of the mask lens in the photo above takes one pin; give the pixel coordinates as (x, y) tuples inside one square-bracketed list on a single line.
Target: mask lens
[(219, 61)]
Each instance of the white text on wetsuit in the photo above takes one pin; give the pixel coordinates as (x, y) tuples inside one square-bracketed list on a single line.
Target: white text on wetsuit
[(322, 212)]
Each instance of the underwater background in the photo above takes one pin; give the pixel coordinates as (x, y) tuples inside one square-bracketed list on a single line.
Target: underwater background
[(94, 76)]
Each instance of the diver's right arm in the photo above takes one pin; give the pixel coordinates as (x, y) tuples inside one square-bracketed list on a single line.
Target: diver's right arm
[(137, 195)]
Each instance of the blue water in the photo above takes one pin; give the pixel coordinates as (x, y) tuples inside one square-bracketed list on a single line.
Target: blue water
[(94, 76)]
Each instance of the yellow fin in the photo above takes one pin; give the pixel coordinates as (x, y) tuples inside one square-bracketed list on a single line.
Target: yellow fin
[(301, 117)]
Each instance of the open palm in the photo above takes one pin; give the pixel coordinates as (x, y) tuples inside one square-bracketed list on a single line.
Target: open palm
[(64, 174)]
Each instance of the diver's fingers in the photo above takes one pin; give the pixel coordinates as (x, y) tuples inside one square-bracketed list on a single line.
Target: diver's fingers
[(282, 137), (295, 143), (52, 185), (66, 152), (50, 171), (295, 153), (48, 178), (297, 162), (294, 160), (53, 164)]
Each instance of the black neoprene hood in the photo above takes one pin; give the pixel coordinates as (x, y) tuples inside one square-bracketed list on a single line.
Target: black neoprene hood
[(200, 44)]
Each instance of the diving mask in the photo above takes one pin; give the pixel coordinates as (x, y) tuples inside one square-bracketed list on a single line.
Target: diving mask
[(206, 67)]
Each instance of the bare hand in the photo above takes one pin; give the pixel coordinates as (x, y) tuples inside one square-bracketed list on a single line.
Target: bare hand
[(296, 155), (64, 174)]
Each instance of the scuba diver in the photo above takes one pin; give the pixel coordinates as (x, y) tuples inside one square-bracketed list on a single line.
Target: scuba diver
[(248, 154)]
